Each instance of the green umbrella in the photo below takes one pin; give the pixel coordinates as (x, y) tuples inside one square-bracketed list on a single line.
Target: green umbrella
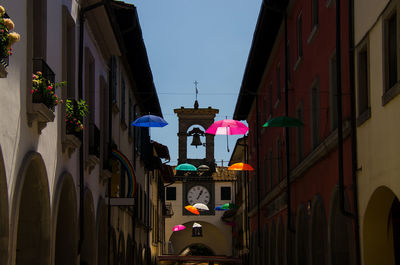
[(283, 121), (186, 167), (228, 206)]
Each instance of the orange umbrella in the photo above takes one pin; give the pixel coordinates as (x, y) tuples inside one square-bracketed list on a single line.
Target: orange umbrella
[(192, 209), (241, 166)]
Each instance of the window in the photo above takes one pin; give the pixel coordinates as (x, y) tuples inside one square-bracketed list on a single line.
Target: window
[(114, 78), (315, 114), (197, 232), (130, 113), (271, 169), (391, 51), (299, 36), (171, 193), (363, 83), (123, 99), (69, 52), (225, 193), (314, 13), (278, 81), (300, 134), (270, 99), (39, 8), (333, 91), (279, 159)]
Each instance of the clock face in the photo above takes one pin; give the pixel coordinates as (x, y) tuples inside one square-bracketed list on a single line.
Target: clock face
[(198, 194)]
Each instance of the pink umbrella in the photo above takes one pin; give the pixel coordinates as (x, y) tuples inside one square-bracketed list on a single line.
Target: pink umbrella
[(227, 127), (178, 228)]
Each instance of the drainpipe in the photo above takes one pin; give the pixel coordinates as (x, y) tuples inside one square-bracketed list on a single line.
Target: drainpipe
[(354, 158), (80, 94)]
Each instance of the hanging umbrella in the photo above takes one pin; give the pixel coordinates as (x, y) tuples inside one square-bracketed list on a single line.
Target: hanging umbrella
[(227, 127), (203, 168), (283, 121), (192, 209), (201, 206), (228, 206), (178, 228), (197, 225), (149, 121), (186, 167), (241, 167), (219, 208)]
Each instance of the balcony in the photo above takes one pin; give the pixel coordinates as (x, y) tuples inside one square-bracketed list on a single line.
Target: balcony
[(38, 111), (94, 147)]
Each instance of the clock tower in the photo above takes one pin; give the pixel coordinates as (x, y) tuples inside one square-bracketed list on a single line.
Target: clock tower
[(198, 187)]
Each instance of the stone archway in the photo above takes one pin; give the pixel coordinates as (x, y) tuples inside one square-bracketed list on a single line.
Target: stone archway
[(66, 222), (319, 231), (31, 212), (102, 233), (212, 237), (380, 228), (341, 235), (89, 230), (302, 238), (3, 213)]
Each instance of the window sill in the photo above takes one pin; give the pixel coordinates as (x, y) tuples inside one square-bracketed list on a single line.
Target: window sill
[(390, 94), (313, 33), (364, 116), (297, 64), (3, 71), (70, 143), (40, 113)]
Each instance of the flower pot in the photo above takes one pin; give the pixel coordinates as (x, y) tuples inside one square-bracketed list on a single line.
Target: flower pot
[(74, 130)]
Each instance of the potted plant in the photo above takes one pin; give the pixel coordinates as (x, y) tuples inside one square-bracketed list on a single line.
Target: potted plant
[(75, 112), (43, 91), (7, 38)]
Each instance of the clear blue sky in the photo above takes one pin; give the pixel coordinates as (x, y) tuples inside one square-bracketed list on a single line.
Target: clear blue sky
[(204, 40)]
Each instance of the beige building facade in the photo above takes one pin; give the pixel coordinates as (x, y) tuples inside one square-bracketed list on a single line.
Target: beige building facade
[(376, 32)]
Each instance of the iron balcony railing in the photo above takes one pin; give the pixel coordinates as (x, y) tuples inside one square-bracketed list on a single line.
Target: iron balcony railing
[(39, 65)]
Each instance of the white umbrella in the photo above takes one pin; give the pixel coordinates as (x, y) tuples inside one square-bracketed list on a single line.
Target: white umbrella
[(201, 206), (196, 225)]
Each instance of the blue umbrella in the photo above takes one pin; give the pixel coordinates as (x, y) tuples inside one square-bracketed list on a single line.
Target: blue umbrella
[(219, 208), (149, 121)]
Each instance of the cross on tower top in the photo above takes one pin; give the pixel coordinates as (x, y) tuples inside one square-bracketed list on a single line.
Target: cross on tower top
[(195, 87)]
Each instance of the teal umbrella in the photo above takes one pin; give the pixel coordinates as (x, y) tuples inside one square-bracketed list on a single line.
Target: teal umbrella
[(283, 121), (186, 167)]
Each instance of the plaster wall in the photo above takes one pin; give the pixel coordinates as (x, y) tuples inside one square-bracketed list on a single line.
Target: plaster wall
[(213, 220)]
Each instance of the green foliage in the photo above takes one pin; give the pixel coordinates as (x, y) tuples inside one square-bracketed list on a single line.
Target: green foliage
[(75, 112), (43, 91)]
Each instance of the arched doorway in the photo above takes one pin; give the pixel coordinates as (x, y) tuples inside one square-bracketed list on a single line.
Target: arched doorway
[(341, 233), (102, 234), (211, 237), (302, 240), (32, 212), (381, 226), (66, 222), (319, 230), (3, 213), (89, 230)]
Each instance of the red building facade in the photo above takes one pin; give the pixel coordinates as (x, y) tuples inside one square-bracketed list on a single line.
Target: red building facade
[(321, 232)]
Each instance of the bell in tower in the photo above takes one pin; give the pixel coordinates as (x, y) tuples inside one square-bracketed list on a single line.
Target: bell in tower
[(196, 133)]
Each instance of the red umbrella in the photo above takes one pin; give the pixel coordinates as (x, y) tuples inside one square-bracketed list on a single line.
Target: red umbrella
[(241, 167)]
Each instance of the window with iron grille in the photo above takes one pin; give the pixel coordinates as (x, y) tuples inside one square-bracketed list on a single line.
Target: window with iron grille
[(225, 193), (171, 194), (197, 232)]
